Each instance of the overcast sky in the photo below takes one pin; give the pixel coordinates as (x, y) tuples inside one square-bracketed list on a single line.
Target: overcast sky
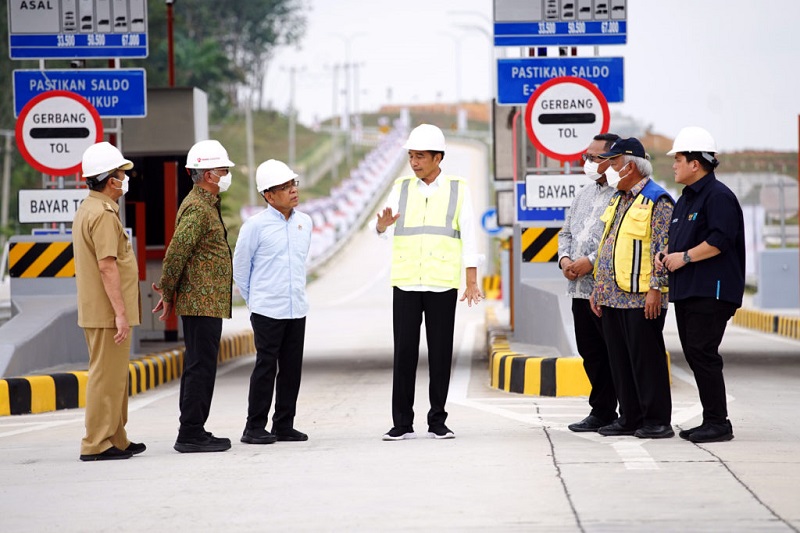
[(730, 66)]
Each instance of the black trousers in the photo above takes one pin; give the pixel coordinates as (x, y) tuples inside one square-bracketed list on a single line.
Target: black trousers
[(592, 347), (439, 309), (279, 363), (639, 366), (201, 336), (701, 325)]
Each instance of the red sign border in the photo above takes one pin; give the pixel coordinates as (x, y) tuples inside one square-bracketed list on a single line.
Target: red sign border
[(538, 93), (18, 133)]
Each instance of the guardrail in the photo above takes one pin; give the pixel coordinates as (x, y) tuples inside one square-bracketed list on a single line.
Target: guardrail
[(767, 322)]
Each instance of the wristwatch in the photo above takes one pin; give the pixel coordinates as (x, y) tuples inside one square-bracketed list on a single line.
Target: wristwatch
[(686, 258)]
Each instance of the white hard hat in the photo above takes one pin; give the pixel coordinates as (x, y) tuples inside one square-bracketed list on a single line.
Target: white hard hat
[(425, 137), (271, 173), (208, 154), (693, 139), (102, 158)]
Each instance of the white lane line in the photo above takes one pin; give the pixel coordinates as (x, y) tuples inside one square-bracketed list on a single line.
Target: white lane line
[(459, 383), (634, 456)]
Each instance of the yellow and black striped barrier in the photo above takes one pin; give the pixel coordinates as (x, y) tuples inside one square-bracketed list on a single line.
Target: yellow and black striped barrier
[(757, 320), (40, 394), (491, 287), (536, 376), (41, 260), (539, 245), (789, 327)]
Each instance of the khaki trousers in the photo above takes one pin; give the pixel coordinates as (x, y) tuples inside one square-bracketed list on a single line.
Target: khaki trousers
[(106, 392)]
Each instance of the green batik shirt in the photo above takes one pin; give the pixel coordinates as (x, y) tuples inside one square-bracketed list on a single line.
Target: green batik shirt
[(198, 273)]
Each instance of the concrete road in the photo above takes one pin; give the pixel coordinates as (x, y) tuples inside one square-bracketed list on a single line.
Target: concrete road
[(513, 466)]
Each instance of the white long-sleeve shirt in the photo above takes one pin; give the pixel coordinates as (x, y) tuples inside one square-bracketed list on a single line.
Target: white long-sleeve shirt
[(269, 263)]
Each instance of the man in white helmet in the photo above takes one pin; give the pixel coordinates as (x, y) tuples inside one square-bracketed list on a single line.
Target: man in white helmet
[(109, 304), (706, 263), (431, 221), (269, 268), (196, 283)]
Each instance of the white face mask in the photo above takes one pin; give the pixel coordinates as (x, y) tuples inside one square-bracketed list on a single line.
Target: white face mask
[(590, 169), (612, 176), (124, 186), (224, 181)]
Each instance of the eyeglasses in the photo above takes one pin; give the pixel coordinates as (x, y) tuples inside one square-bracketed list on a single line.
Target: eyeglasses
[(588, 157), (286, 186)]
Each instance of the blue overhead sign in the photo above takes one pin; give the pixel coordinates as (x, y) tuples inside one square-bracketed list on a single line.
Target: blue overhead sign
[(574, 33), (77, 29), (526, 213), (517, 79), (115, 93), (71, 46)]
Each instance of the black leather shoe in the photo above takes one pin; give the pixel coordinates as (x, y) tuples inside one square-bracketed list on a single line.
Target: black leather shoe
[(590, 423), (258, 436), (712, 433), (291, 435), (110, 454), (684, 433), (136, 448), (614, 429), (654, 432), (205, 443)]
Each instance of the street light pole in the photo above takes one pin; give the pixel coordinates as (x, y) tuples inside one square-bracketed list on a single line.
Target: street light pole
[(346, 126), (170, 46)]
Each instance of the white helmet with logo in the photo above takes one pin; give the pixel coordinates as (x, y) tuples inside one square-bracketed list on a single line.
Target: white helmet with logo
[(425, 137), (208, 154), (102, 158), (693, 139), (271, 173)]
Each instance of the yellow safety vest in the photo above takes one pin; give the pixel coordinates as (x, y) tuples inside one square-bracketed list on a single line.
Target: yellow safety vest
[(426, 249), (632, 252)]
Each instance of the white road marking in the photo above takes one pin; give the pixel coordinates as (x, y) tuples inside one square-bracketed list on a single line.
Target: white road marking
[(549, 412)]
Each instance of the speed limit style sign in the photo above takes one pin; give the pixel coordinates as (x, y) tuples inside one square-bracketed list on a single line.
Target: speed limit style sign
[(564, 114), (54, 129)]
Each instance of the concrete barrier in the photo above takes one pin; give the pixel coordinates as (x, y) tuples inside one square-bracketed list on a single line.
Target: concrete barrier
[(67, 390)]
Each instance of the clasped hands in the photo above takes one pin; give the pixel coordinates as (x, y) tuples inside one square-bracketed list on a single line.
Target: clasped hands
[(574, 269)]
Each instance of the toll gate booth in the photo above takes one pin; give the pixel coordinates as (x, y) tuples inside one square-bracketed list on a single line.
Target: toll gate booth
[(177, 118)]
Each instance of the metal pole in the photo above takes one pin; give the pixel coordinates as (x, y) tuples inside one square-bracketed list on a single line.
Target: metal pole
[(292, 72), (170, 45), (334, 147), (6, 186), (251, 171)]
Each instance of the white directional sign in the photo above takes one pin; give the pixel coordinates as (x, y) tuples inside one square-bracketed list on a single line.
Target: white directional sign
[(553, 191), (563, 115), (54, 129), (41, 206)]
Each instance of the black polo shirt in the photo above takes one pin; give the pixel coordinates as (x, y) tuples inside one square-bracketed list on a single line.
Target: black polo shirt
[(708, 211)]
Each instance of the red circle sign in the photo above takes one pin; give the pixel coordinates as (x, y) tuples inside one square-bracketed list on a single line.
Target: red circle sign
[(54, 129), (564, 114)]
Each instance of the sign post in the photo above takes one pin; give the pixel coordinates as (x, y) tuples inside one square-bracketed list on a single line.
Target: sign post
[(563, 115), (54, 129)]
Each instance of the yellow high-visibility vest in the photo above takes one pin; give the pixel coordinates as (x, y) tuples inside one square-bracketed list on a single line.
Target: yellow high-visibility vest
[(632, 247), (426, 249)]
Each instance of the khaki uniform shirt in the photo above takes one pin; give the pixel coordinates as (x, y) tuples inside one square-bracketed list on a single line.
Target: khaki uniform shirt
[(198, 273), (97, 233)]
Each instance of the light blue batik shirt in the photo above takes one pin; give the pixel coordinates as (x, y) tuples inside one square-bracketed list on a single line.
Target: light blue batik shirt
[(269, 263)]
